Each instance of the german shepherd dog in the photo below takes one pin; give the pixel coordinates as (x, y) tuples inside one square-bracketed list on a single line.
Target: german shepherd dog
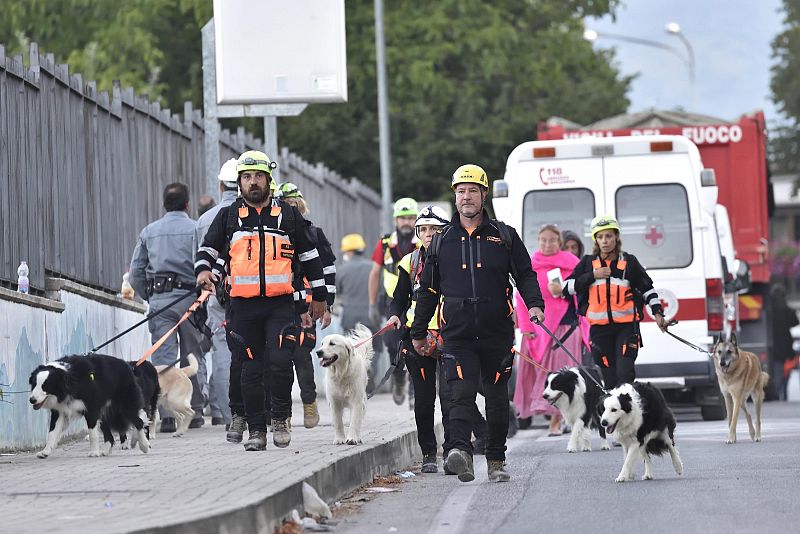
[(740, 375)]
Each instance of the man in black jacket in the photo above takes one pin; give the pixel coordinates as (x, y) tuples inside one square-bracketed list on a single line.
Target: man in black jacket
[(468, 267)]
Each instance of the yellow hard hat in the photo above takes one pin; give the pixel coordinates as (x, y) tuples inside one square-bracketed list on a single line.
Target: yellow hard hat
[(469, 174), (353, 242), (255, 160), (603, 222)]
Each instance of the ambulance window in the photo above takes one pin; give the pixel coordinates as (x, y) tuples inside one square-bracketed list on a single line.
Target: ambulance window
[(570, 209), (655, 224)]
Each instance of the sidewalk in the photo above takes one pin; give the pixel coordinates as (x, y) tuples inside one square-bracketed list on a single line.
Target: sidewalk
[(199, 483)]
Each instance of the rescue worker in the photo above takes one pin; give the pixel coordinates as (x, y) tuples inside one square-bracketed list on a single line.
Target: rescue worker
[(219, 381), (261, 238), (467, 268), (612, 289), (306, 336), (352, 276), (422, 369), (388, 252), (161, 271)]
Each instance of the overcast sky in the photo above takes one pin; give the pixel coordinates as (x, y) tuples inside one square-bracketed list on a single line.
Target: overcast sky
[(731, 42)]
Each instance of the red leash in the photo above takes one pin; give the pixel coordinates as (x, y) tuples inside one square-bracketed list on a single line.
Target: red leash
[(532, 361), (380, 332)]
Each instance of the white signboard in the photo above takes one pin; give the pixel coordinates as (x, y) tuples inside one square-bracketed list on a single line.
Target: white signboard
[(280, 51)]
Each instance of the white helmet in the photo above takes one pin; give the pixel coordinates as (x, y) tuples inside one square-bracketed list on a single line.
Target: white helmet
[(431, 215), (228, 172)]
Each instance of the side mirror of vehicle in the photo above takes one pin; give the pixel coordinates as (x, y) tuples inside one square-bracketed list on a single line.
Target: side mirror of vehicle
[(741, 270)]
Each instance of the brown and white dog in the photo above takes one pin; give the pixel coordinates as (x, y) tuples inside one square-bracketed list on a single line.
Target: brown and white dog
[(176, 392), (739, 374)]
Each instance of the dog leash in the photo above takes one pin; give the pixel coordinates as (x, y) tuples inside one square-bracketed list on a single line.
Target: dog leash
[(565, 349), (204, 294), (685, 342), (147, 318), (380, 332), (532, 361)]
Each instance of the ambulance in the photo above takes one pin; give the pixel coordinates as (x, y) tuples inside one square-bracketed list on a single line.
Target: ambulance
[(666, 203)]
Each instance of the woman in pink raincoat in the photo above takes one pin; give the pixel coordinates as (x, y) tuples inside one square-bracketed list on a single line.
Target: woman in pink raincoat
[(560, 318)]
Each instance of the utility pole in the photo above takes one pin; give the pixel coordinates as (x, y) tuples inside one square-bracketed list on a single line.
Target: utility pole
[(383, 118)]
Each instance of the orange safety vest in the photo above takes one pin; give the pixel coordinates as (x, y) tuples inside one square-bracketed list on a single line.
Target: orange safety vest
[(248, 256), (610, 299)]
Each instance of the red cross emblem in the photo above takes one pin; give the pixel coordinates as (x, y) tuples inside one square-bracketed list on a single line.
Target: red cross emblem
[(654, 236)]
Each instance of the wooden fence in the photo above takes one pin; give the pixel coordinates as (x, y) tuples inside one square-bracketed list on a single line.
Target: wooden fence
[(82, 172)]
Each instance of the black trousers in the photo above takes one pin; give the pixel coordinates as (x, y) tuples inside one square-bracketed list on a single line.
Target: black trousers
[(256, 323), (614, 350), (466, 364), (425, 371), (304, 367)]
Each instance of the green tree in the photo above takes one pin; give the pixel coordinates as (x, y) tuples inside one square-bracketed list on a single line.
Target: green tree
[(468, 79), (785, 84)]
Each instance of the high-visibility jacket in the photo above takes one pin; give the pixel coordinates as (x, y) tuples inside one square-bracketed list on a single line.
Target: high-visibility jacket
[(257, 249), (615, 299), (403, 299), (391, 259)]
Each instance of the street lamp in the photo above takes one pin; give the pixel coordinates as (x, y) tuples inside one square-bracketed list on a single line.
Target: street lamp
[(673, 28)]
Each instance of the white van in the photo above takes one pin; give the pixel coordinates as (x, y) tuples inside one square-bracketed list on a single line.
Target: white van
[(665, 203)]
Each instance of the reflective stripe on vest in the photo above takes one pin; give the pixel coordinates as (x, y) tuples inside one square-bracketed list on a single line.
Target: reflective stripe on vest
[(610, 299), (389, 244), (248, 258), (411, 262)]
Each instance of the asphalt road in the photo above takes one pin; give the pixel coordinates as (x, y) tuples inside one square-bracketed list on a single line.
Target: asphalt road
[(744, 487)]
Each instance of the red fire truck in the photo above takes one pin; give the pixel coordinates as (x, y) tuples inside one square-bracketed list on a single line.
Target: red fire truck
[(737, 152)]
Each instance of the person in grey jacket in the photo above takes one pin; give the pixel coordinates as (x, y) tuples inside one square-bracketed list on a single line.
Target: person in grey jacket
[(162, 269), (219, 381)]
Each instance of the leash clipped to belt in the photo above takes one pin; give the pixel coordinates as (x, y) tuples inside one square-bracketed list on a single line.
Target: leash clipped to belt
[(147, 318), (565, 349), (685, 342), (204, 294)]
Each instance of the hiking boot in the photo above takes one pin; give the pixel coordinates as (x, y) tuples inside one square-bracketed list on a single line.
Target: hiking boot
[(429, 463), (197, 422), (310, 415), (446, 469), (497, 471), (398, 391), (460, 463), (281, 435), (236, 429), (257, 441), (217, 421), (168, 425)]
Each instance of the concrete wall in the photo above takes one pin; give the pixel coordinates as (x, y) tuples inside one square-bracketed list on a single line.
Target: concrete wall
[(35, 330)]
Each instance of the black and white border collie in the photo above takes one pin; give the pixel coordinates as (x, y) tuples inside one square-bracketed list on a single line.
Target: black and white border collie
[(638, 417), (573, 392), (102, 389)]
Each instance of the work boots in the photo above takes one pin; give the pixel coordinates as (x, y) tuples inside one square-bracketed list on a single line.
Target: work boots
[(460, 463), (257, 441), (236, 429), (281, 434), (497, 471), (310, 415), (429, 463)]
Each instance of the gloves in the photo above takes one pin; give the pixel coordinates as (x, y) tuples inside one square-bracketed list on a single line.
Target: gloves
[(375, 315)]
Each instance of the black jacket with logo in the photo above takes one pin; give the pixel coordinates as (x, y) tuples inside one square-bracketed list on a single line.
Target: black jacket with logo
[(471, 273)]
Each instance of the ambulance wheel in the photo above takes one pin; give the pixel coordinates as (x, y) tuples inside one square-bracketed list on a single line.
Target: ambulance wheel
[(713, 412)]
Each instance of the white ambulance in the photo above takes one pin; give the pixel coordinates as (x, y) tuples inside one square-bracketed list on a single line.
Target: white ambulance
[(665, 203)]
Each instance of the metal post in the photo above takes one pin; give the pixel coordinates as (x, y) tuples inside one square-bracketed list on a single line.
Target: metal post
[(210, 123), (271, 142), (383, 118)]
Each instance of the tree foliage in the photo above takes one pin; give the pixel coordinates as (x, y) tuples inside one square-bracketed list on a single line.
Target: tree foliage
[(785, 85), (468, 79)]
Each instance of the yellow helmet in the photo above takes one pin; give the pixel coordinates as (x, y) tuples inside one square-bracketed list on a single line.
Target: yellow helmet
[(405, 207), (255, 160), (603, 222), (469, 174), (353, 242)]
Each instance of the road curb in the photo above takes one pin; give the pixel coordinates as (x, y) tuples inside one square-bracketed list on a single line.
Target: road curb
[(338, 478)]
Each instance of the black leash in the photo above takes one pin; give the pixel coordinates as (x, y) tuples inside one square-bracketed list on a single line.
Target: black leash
[(147, 318), (399, 362), (561, 345), (685, 342)]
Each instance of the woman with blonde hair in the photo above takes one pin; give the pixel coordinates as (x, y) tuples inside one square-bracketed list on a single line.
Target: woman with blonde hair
[(551, 265)]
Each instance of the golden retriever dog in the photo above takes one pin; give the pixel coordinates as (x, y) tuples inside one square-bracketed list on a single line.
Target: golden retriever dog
[(346, 379), (740, 376), (176, 392)]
